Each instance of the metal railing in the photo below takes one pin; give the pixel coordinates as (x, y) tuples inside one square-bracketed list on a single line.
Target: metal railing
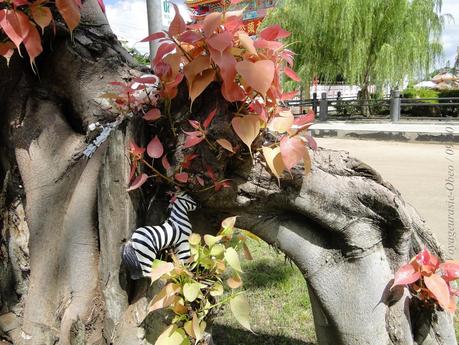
[(393, 107)]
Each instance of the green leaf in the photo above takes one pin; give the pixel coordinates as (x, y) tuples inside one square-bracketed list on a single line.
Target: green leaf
[(191, 291), (217, 250), (173, 336), (250, 235), (232, 258), (216, 290), (240, 309), (211, 240), (160, 268)]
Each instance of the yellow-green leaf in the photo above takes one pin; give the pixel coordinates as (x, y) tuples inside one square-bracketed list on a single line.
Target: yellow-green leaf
[(240, 309), (250, 235), (217, 289), (160, 268), (199, 334), (194, 239), (217, 250), (232, 258), (191, 291), (211, 240), (173, 336)]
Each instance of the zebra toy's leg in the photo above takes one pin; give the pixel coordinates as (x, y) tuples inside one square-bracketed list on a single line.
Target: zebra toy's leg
[(182, 249), (131, 262)]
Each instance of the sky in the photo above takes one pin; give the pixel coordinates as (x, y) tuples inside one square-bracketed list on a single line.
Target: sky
[(129, 22)]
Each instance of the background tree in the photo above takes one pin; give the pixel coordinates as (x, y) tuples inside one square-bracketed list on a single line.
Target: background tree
[(376, 42), (64, 217)]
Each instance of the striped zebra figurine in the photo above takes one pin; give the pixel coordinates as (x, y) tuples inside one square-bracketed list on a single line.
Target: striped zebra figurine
[(148, 241)]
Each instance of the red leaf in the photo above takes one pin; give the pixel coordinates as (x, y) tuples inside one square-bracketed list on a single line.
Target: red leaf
[(211, 23), (289, 95), (70, 11), (438, 287), (101, 5), (182, 177), (258, 75), (264, 44), (165, 163), (190, 36), (136, 150), (274, 32), (188, 159), (178, 24), (304, 119), (32, 44), (292, 151), (209, 118), (235, 1), (450, 270), (152, 115), (312, 143), (210, 173), (220, 41), (195, 124), (287, 55), (200, 180), (163, 49), (154, 36), (291, 74), (15, 24), (191, 141), (138, 181), (406, 274), (155, 148)]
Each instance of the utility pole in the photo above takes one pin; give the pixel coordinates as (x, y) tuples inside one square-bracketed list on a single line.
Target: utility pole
[(154, 15)]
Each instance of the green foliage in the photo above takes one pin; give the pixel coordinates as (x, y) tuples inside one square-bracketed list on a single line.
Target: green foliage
[(366, 41), (421, 93), (195, 291)]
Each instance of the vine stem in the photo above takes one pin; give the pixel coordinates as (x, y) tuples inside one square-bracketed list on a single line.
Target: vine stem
[(158, 173)]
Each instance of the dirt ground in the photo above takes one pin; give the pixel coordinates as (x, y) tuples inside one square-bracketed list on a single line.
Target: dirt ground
[(427, 175)]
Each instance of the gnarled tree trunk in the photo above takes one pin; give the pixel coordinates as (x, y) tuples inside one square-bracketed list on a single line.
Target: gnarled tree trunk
[(64, 218)]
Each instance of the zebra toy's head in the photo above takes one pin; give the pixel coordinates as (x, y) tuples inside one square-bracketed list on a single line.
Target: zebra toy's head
[(185, 201)]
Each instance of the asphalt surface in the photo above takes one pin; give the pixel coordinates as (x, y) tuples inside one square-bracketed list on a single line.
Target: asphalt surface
[(427, 175)]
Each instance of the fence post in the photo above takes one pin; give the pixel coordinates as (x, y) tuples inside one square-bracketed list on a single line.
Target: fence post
[(323, 107), (395, 103), (314, 102)]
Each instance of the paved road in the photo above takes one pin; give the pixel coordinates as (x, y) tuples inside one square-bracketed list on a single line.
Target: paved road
[(418, 171)]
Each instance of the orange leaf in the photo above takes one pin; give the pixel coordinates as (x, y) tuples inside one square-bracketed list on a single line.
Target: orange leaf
[(41, 15), (292, 151), (247, 43), (211, 23), (209, 118), (70, 11), (247, 128), (225, 144), (282, 123), (195, 67), (220, 41), (154, 36), (7, 50), (234, 282), (274, 32), (200, 83), (155, 148), (450, 270), (406, 274), (274, 159), (178, 24), (258, 75), (164, 298), (438, 287)]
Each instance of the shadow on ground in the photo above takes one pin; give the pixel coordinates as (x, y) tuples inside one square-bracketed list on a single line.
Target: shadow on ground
[(261, 274), (223, 335)]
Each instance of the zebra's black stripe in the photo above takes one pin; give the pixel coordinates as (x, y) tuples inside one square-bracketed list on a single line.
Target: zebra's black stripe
[(148, 241)]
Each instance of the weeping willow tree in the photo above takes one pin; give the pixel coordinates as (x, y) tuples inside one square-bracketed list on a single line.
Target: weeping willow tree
[(368, 42)]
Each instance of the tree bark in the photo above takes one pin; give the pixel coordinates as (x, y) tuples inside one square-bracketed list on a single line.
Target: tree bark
[(64, 218)]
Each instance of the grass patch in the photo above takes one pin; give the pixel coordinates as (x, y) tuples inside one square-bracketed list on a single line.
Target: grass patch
[(280, 309)]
